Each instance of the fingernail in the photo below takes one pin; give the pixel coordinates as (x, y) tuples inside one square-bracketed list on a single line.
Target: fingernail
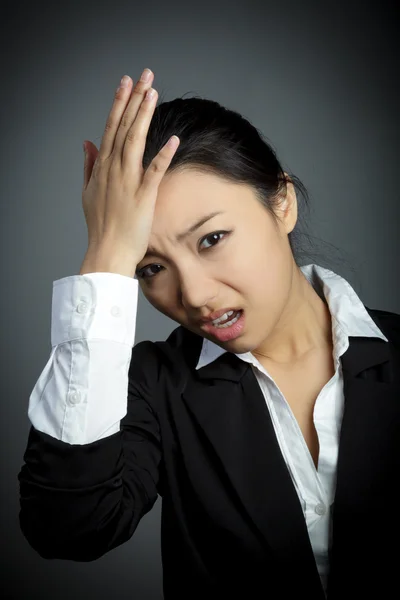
[(125, 81), (150, 94), (145, 76)]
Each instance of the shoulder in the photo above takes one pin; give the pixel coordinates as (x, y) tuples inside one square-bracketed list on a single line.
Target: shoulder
[(154, 363), (388, 322), (182, 347)]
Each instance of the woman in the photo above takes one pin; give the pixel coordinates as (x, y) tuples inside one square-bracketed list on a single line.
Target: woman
[(268, 421)]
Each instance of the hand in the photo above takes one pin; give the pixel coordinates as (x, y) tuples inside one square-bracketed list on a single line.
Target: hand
[(118, 198)]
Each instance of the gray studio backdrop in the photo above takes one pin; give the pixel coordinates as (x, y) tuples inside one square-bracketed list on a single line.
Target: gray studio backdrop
[(318, 79)]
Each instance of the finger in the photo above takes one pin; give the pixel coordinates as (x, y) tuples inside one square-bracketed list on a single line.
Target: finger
[(158, 166), (91, 153), (121, 98), (135, 140), (131, 110)]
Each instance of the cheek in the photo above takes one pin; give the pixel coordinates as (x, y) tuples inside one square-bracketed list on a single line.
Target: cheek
[(152, 298), (254, 257), (264, 277), (162, 301)]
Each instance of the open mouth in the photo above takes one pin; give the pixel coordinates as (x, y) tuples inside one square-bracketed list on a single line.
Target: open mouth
[(228, 329), (228, 320)]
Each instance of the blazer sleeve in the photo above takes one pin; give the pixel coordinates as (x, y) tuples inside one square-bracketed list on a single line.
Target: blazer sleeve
[(78, 501)]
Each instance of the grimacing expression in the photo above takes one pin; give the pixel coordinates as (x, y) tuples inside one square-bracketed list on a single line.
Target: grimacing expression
[(238, 258)]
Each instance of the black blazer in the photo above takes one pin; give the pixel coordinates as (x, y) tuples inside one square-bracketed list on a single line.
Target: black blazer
[(232, 524)]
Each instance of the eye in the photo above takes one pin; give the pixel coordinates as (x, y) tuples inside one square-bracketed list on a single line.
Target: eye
[(141, 273), (213, 235)]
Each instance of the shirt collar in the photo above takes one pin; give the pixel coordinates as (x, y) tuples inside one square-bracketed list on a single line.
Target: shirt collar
[(347, 310)]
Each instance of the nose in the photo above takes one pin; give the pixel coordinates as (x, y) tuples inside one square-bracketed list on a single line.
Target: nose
[(197, 290)]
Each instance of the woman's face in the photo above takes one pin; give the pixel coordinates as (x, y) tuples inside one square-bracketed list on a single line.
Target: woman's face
[(248, 264)]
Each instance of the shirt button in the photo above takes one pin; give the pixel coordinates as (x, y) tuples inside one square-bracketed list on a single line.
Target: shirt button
[(74, 397), (82, 307), (320, 509), (115, 311)]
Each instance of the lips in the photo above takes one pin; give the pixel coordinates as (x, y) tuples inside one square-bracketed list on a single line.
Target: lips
[(226, 334)]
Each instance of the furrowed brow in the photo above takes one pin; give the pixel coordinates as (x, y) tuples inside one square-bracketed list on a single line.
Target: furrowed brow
[(184, 234)]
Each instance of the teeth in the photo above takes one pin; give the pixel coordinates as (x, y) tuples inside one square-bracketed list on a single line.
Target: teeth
[(229, 323), (224, 316)]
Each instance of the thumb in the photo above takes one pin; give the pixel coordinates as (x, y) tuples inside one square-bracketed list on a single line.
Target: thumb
[(91, 153)]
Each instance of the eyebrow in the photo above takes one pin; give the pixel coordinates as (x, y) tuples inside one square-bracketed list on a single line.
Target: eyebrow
[(184, 234)]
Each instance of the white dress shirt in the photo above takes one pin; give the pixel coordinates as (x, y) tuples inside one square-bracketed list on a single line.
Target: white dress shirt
[(81, 394)]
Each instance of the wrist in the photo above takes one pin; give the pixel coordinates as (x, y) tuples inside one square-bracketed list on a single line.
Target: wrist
[(102, 261)]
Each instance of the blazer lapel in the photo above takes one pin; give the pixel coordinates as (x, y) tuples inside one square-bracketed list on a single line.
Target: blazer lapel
[(366, 459), (227, 402), (371, 388)]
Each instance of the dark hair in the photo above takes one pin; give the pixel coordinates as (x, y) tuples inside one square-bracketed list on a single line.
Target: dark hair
[(218, 140)]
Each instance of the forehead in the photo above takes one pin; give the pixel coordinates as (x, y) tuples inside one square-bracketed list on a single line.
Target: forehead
[(189, 194)]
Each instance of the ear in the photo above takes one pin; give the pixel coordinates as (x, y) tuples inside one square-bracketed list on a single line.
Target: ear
[(287, 207)]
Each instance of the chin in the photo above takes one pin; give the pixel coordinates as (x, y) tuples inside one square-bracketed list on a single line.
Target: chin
[(241, 346), (237, 346)]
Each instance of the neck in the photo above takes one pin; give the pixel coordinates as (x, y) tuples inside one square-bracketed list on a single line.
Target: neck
[(304, 327)]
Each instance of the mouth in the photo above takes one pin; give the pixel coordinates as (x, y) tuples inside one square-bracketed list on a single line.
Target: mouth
[(226, 329), (217, 315)]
